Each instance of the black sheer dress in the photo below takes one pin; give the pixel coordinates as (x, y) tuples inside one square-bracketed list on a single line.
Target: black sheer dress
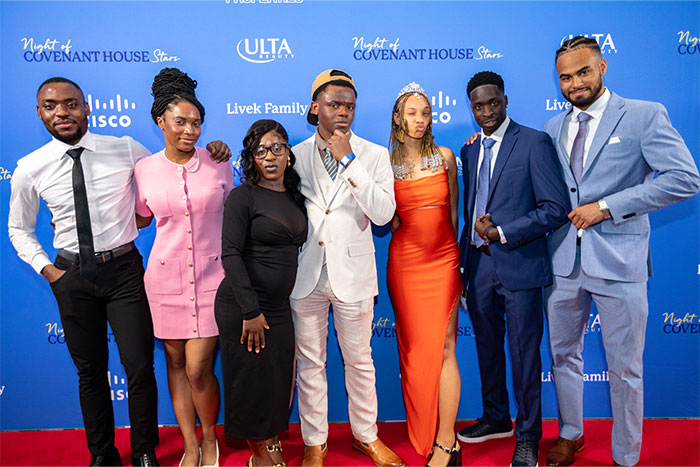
[(262, 233)]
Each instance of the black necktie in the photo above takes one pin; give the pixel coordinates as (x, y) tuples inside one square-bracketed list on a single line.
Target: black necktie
[(88, 265)]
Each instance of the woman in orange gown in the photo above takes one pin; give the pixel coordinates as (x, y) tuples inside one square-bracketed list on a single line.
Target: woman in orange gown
[(423, 277)]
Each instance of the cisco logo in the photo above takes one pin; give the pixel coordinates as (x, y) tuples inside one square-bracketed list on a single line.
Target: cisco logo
[(261, 50), (117, 386), (438, 102), (109, 112)]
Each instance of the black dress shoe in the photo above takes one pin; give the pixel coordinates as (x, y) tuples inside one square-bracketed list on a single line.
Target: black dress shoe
[(526, 453), (110, 459), (148, 459), (482, 431)]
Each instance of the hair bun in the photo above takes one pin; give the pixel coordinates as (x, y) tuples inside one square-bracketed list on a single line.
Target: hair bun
[(172, 81)]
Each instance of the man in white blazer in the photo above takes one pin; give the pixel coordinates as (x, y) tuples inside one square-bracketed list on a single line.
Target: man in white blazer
[(621, 159), (348, 184)]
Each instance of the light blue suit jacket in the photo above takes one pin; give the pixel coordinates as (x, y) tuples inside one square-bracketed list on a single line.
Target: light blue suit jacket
[(639, 163)]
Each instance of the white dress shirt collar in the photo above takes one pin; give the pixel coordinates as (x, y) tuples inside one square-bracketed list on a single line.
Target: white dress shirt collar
[(499, 133), (87, 142), (596, 109)]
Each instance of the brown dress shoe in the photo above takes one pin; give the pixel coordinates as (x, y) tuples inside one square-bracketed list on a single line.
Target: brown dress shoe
[(562, 453), (379, 452), (314, 455)]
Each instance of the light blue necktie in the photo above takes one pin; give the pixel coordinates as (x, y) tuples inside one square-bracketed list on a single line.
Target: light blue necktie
[(482, 186), (330, 163), (576, 157)]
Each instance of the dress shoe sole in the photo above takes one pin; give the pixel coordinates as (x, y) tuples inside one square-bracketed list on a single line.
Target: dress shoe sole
[(362, 451), (563, 464), (481, 439)]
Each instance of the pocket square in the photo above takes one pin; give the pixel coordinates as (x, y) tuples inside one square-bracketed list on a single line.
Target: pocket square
[(614, 140)]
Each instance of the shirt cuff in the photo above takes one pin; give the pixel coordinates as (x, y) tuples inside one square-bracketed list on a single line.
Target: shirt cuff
[(501, 235), (39, 262)]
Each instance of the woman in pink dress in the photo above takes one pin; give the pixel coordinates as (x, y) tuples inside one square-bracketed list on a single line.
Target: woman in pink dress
[(185, 191)]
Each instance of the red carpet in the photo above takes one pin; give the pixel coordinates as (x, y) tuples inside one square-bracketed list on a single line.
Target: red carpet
[(666, 442)]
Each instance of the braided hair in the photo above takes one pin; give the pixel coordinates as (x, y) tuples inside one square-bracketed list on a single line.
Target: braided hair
[(171, 86), (576, 43)]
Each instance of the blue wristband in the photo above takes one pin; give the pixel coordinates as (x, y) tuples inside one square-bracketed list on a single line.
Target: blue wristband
[(346, 160)]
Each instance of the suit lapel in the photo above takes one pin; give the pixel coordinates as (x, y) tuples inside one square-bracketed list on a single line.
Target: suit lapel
[(611, 116), (509, 140), (561, 150), (314, 162)]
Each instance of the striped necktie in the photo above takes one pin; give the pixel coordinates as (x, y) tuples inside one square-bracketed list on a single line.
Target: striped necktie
[(330, 163)]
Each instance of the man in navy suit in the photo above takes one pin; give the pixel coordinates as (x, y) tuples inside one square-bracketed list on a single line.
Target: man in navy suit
[(621, 159), (514, 195)]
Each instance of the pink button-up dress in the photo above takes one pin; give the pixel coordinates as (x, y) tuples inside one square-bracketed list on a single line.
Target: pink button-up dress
[(184, 268)]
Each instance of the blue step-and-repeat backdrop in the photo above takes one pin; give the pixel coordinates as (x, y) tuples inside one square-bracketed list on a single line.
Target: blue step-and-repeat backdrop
[(257, 59)]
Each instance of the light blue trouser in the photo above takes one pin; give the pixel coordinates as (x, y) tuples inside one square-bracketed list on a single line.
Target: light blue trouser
[(623, 309)]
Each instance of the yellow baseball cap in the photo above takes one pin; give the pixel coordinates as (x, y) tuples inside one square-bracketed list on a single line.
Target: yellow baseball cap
[(331, 76)]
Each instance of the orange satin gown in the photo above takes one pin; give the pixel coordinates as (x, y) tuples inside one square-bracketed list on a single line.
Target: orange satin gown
[(424, 283)]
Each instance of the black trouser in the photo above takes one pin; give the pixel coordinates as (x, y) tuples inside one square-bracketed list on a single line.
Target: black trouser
[(117, 296)]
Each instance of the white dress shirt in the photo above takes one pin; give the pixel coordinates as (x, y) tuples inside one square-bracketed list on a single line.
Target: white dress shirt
[(497, 136), (570, 127), (108, 168)]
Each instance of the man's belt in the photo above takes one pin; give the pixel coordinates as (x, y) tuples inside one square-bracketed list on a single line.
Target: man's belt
[(100, 256)]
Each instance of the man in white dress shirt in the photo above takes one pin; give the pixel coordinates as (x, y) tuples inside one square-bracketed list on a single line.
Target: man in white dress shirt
[(86, 181), (348, 184)]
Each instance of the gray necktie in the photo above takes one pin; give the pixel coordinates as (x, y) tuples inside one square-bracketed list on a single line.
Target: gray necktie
[(576, 158)]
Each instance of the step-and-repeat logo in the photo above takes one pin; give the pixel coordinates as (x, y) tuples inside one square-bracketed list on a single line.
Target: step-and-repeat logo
[(52, 50), (118, 386), (441, 103), (680, 323), (688, 44), (383, 48), (593, 323), (110, 112), (5, 174), (604, 40), (264, 50), (602, 377), (55, 333), (557, 105)]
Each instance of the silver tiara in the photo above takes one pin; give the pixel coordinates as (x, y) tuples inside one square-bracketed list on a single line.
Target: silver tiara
[(412, 88)]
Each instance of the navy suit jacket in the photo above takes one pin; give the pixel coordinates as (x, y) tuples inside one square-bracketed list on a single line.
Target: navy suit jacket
[(527, 199)]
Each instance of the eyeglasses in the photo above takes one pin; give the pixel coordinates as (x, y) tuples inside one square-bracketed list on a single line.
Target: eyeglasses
[(277, 149)]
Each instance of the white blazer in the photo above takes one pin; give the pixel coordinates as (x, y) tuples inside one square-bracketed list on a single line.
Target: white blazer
[(340, 211)]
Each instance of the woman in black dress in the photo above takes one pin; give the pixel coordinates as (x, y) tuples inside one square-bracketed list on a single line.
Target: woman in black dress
[(264, 227)]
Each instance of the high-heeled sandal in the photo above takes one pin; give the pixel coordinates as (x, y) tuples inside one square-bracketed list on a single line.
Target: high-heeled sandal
[(456, 456), (277, 447), (455, 453)]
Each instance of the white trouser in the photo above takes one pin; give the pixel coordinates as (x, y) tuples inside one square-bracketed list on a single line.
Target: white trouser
[(353, 324)]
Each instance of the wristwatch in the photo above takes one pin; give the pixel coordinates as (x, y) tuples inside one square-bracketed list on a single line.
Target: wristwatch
[(603, 206), (487, 230)]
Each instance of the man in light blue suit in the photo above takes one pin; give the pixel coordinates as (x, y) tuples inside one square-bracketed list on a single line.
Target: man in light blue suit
[(621, 159)]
